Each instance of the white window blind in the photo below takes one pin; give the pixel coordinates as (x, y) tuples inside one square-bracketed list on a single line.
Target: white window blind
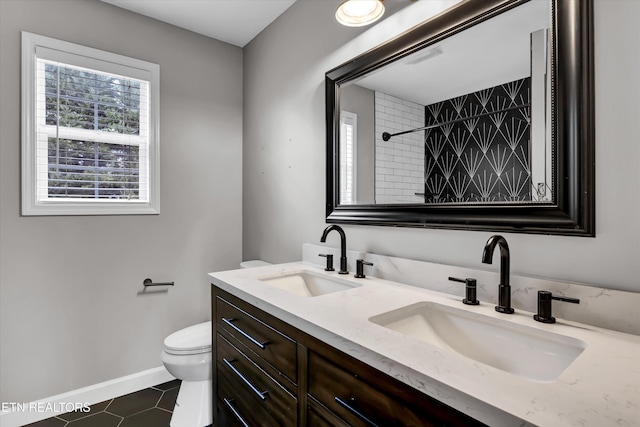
[(91, 146), (95, 128)]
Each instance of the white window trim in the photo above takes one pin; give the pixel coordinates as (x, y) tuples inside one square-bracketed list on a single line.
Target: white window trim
[(110, 63), (350, 119)]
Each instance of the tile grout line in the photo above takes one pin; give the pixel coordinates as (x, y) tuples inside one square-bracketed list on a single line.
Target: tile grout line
[(121, 418)]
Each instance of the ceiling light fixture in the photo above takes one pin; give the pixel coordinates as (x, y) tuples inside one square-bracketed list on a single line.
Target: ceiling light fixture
[(357, 13)]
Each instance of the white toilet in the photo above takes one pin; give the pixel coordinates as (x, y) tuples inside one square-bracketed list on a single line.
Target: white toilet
[(187, 356)]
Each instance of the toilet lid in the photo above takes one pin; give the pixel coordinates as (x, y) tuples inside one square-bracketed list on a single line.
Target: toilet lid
[(196, 337)]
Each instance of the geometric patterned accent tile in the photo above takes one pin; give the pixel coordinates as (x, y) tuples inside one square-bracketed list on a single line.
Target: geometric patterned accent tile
[(151, 407), (478, 149)]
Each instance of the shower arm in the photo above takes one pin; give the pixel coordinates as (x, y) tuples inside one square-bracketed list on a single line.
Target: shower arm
[(386, 135)]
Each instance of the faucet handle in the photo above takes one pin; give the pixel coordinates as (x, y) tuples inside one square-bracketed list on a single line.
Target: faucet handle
[(544, 306), (329, 258), (360, 263), (470, 290)]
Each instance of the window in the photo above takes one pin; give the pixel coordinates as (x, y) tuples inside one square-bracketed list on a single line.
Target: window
[(89, 131), (348, 138)]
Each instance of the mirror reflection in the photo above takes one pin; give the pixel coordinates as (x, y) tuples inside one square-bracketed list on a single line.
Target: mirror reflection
[(465, 120)]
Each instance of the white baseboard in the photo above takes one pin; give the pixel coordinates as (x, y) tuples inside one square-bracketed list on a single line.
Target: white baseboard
[(16, 415)]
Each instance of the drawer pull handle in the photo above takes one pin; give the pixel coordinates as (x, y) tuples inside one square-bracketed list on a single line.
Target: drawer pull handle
[(229, 403), (355, 412), (261, 394), (243, 333)]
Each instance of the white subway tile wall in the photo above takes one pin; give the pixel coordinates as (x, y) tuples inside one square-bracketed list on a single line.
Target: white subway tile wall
[(399, 161)]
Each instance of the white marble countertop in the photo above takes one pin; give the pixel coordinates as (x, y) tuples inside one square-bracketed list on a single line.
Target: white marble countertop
[(600, 388)]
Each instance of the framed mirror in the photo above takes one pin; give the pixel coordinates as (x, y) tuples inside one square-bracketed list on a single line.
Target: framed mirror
[(480, 118)]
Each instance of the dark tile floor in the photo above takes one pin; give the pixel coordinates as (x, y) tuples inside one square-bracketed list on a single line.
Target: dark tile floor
[(151, 407)]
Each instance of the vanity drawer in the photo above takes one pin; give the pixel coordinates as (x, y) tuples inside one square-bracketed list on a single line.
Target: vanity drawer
[(266, 392), (330, 384), (256, 336), (236, 408), (362, 396), (318, 416)]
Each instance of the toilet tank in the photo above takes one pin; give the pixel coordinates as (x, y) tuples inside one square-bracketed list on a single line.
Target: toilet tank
[(253, 263)]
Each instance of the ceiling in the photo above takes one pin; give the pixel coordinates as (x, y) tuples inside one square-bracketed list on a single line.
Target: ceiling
[(491, 53), (487, 51), (235, 22)]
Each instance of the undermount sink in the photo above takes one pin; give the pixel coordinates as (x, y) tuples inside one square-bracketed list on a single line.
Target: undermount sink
[(308, 284), (527, 352)]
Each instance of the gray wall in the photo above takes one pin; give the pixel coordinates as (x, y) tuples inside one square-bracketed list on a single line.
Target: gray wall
[(283, 119), (361, 101), (70, 315), (284, 140)]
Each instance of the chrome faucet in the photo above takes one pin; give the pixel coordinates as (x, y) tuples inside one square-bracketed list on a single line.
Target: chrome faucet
[(343, 246), (504, 289)]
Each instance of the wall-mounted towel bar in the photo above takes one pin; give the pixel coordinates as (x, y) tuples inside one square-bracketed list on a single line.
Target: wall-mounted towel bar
[(149, 282)]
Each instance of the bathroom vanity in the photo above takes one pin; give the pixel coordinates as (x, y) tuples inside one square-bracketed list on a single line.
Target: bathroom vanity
[(271, 373), (298, 346)]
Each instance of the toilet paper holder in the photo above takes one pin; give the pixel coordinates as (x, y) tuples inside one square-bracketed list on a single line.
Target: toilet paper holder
[(149, 282)]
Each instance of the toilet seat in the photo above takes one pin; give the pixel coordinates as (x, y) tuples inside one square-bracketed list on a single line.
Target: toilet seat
[(195, 339)]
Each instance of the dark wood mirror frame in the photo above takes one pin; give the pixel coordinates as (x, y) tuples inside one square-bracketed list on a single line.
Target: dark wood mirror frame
[(573, 210)]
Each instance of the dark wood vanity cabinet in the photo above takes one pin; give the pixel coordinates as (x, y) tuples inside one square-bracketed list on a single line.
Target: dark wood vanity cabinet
[(269, 373), (256, 380)]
